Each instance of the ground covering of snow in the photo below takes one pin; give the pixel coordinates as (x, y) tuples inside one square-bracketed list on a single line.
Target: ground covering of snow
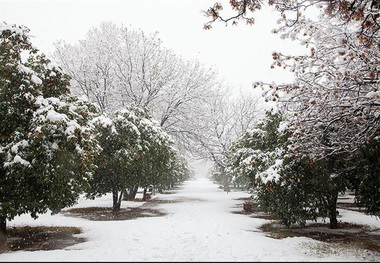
[(199, 226)]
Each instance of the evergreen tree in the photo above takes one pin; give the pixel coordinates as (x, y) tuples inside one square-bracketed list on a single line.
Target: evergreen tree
[(46, 141), (135, 152), (289, 184), (257, 150), (304, 190), (366, 178)]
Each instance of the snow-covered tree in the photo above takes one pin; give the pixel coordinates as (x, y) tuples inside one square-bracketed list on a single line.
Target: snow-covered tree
[(155, 153), (304, 189), (254, 157), (116, 67), (135, 152), (365, 12), (227, 119), (334, 101), (333, 104), (46, 142), (292, 186), (91, 66)]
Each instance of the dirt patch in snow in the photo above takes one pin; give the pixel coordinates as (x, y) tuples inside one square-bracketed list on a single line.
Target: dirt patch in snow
[(41, 238), (347, 234), (107, 214)]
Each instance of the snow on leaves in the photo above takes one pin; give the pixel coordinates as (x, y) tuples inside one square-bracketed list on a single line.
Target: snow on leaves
[(45, 137)]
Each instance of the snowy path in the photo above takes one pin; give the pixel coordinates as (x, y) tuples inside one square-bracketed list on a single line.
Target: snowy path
[(199, 226)]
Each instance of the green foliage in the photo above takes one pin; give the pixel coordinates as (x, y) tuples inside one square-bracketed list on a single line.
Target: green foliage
[(135, 151), (307, 189), (292, 186), (46, 144), (113, 157), (257, 150), (366, 180)]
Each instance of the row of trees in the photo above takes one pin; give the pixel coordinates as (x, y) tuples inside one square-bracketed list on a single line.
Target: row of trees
[(55, 146), (116, 66), (295, 186), (331, 112)]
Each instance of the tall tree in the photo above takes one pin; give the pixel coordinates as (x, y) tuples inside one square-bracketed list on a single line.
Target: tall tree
[(228, 117), (116, 67)]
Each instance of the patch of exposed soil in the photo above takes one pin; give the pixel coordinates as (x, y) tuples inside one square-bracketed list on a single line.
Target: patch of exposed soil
[(353, 235), (41, 238), (350, 235), (107, 214)]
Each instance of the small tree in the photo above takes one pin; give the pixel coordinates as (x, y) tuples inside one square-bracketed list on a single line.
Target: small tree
[(292, 186), (135, 152), (46, 141), (257, 150), (304, 189), (113, 171)]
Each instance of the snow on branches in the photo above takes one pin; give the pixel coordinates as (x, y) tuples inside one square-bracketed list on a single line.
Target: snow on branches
[(333, 105)]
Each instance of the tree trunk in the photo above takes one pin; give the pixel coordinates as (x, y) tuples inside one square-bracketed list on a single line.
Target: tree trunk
[(125, 195), (3, 232), (130, 193), (144, 194), (333, 213), (226, 186), (116, 203), (134, 192)]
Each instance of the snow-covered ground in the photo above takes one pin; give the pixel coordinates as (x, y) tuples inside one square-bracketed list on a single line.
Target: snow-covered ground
[(198, 227)]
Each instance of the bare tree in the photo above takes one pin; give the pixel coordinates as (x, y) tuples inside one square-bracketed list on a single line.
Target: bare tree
[(227, 119), (115, 67)]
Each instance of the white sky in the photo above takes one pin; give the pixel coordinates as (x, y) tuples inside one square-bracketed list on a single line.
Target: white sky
[(242, 54)]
